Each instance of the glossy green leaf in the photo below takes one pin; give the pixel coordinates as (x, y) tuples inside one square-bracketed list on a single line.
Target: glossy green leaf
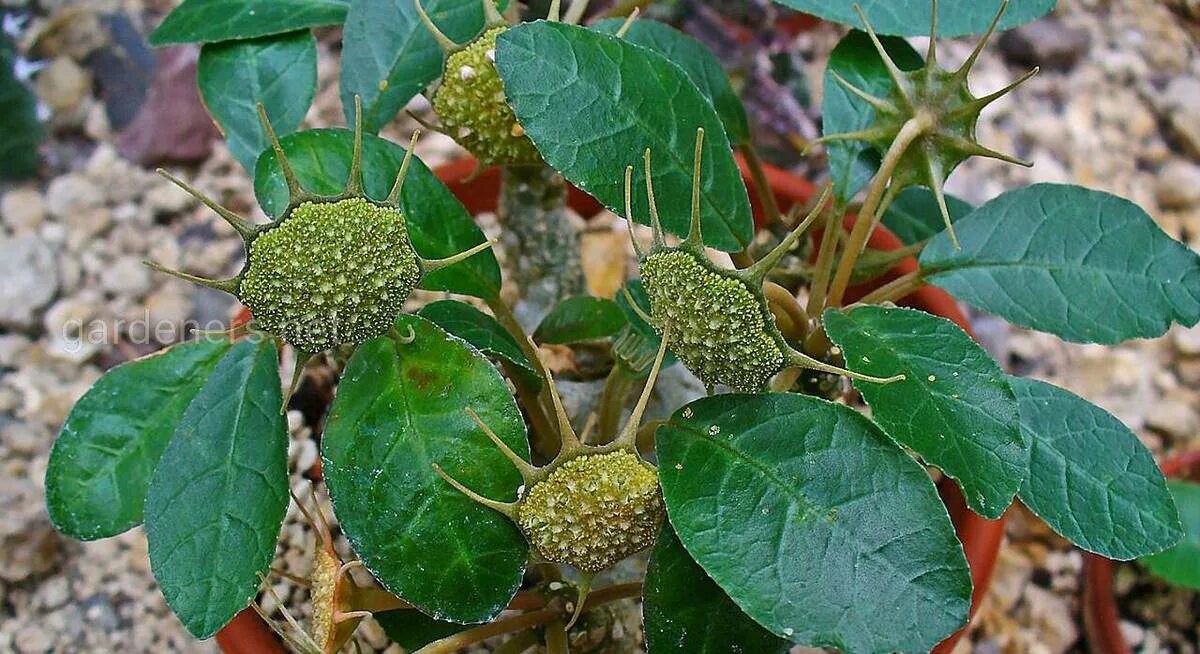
[(278, 71), (686, 612), (400, 408), (592, 103), (210, 21), (217, 500), (438, 224), (1090, 478), (23, 133), (1180, 565), (486, 334), (1084, 265), (701, 65), (105, 455), (412, 630), (814, 522), (914, 215), (580, 318), (389, 56), (852, 163), (955, 407), (912, 17)]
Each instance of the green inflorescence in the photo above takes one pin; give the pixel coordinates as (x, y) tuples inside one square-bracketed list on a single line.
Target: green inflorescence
[(593, 510), (333, 272), (471, 106), (721, 329)]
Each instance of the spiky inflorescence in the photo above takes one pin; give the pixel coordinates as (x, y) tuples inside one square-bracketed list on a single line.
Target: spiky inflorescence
[(333, 272), (331, 269), (471, 106), (593, 511), (928, 117), (722, 330)]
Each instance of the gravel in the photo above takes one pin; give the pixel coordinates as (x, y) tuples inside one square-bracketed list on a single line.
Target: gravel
[(1115, 108)]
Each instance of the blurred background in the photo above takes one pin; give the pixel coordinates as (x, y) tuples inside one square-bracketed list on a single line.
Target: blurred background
[(88, 109)]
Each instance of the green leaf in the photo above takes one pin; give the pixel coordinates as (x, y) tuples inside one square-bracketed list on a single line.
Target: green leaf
[(592, 103), (814, 522), (438, 224), (696, 60), (412, 630), (105, 455), (217, 500), (580, 318), (389, 55), (852, 163), (1090, 478), (955, 407), (278, 71), (914, 215), (1180, 565), (400, 408), (1084, 265), (210, 21), (912, 17), (486, 334), (686, 612), (19, 156)]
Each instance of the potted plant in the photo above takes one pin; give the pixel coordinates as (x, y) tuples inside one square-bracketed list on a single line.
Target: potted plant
[(774, 511)]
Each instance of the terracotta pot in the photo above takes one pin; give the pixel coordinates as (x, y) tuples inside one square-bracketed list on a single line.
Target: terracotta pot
[(1101, 620), (981, 538)]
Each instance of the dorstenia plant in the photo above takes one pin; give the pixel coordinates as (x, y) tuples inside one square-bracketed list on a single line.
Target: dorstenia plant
[(772, 512)]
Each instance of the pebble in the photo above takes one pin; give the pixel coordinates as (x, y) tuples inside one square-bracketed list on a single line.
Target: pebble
[(1179, 106), (23, 209), (72, 193), (1048, 42), (27, 266), (63, 85), (1174, 417), (68, 324), (126, 276), (1177, 185)]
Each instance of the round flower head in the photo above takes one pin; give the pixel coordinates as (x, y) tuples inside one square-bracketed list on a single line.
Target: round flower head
[(470, 100), (723, 329), (331, 269), (593, 505), (928, 117)]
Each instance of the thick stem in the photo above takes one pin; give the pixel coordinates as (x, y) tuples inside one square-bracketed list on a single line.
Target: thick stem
[(545, 437), (540, 241), (462, 639), (556, 638), (451, 644), (865, 223), (612, 403), (895, 290), (779, 298), (761, 187), (824, 264)]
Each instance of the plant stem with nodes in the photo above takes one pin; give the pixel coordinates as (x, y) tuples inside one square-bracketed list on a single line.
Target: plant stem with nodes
[(825, 259), (867, 215), (545, 437), (452, 644)]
